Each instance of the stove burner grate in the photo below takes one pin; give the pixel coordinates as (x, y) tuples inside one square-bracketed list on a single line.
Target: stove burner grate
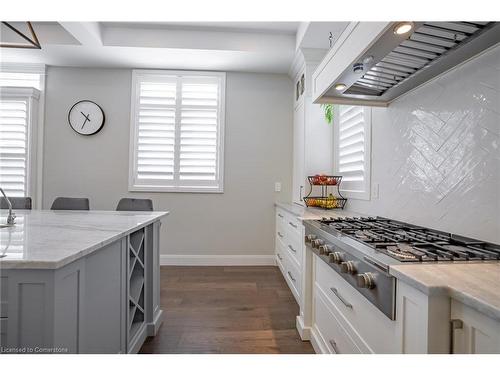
[(411, 243)]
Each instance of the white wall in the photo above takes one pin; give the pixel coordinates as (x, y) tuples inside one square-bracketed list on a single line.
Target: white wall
[(258, 152), (436, 153)]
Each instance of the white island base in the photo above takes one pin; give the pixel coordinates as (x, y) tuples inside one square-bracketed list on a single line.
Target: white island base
[(99, 296)]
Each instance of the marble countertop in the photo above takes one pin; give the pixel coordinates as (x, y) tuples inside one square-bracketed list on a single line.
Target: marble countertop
[(51, 239), (474, 284), (308, 213)]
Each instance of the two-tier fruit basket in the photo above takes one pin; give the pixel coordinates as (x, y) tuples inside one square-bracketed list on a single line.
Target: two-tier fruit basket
[(330, 192)]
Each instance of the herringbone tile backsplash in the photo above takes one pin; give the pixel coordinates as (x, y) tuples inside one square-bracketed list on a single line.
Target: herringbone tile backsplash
[(436, 153)]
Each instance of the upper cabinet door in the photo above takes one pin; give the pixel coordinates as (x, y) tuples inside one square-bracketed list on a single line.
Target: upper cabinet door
[(298, 153)]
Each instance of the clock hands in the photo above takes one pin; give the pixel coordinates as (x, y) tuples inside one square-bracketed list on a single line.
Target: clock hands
[(86, 118)]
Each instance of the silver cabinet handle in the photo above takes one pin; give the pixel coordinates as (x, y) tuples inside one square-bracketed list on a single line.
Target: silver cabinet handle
[(279, 234), (454, 324), (291, 277), (280, 215), (279, 256), (334, 346), (291, 248), (292, 224), (336, 292), (301, 187)]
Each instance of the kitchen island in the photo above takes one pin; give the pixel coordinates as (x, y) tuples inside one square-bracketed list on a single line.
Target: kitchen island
[(79, 281)]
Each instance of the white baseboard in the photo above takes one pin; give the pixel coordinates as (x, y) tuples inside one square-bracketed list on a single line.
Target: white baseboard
[(217, 260), (304, 332), (317, 342)]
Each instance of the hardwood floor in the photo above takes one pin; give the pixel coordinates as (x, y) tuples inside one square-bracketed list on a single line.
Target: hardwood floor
[(226, 310)]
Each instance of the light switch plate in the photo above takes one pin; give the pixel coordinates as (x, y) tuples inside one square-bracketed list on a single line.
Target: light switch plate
[(374, 191), (277, 187)]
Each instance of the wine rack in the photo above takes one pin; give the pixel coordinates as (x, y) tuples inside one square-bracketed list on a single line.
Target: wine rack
[(136, 281)]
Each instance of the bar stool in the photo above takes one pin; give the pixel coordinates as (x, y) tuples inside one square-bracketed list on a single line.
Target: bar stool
[(18, 203), (65, 203), (133, 204)]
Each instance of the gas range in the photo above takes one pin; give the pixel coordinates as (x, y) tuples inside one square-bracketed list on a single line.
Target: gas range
[(411, 243), (361, 250)]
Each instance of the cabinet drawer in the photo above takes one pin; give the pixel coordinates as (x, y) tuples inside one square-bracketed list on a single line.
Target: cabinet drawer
[(334, 336), (370, 328), (294, 249), (280, 257), (293, 277), (280, 232), (293, 225), (280, 216)]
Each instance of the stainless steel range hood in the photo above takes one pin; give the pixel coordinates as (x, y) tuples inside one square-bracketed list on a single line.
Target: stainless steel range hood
[(394, 64)]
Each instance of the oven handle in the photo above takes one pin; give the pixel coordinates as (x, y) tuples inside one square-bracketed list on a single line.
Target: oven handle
[(336, 292), (376, 264)]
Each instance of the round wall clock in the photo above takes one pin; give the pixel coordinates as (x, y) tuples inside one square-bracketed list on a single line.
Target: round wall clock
[(86, 117)]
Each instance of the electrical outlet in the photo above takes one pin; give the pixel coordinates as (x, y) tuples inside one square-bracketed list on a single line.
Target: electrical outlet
[(375, 191), (277, 187)]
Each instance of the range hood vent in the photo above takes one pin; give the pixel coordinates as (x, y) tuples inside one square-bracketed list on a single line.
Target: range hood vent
[(395, 64)]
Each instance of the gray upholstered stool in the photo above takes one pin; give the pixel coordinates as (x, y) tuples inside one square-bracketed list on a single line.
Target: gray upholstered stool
[(18, 203), (132, 204), (64, 203)]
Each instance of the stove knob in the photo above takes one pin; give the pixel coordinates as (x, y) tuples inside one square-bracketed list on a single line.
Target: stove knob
[(366, 280), (335, 257), (310, 237), (325, 249), (317, 243), (347, 267)]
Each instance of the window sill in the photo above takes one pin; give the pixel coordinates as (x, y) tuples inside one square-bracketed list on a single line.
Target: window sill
[(359, 195), (172, 189)]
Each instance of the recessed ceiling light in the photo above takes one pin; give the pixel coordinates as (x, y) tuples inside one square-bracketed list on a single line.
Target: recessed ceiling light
[(340, 87), (403, 28)]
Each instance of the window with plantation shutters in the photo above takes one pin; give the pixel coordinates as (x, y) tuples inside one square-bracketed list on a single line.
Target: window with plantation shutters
[(177, 128), (16, 118), (352, 149)]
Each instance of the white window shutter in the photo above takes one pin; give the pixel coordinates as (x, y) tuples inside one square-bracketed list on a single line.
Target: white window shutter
[(353, 149), (177, 126), (155, 126), (14, 146), (198, 130)]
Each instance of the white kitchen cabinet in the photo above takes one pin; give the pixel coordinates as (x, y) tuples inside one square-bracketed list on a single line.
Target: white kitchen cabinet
[(329, 335), (312, 136), (289, 250), (472, 332), (438, 324), (298, 153), (343, 321), (422, 320)]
